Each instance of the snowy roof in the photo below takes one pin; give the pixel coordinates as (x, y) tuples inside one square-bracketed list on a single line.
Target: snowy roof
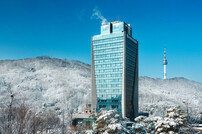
[(83, 116)]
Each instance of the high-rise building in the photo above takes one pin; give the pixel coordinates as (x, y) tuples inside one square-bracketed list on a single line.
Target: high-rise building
[(164, 64), (115, 69)]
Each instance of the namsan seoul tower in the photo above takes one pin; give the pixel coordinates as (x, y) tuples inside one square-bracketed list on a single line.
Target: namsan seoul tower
[(164, 63)]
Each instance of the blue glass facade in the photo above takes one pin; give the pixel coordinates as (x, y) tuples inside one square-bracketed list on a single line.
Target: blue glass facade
[(114, 62), (108, 64)]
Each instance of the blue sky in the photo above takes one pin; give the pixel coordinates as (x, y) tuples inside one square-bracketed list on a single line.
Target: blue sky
[(63, 29)]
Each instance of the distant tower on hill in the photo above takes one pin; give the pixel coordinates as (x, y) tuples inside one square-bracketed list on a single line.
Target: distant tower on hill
[(164, 63)]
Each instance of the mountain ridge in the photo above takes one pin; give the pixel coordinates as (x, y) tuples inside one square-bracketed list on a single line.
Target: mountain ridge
[(81, 62)]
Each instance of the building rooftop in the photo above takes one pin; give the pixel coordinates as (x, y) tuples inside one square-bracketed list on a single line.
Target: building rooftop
[(113, 22)]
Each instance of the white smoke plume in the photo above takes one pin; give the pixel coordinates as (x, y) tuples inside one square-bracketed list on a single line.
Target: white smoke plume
[(98, 15)]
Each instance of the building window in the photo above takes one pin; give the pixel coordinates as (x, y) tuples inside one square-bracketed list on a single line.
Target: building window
[(102, 106), (102, 100), (114, 106), (115, 100)]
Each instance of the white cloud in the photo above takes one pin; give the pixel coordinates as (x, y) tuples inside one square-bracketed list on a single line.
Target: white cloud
[(98, 15)]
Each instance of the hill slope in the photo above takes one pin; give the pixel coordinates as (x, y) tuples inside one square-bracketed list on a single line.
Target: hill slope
[(45, 82), (158, 94)]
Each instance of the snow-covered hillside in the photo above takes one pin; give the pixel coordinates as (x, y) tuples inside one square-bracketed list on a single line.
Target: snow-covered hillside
[(45, 82), (58, 84), (157, 94)]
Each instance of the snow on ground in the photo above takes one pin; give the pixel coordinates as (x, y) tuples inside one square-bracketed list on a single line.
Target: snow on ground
[(175, 121)]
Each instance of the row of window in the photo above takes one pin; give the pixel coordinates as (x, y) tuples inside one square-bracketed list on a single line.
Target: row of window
[(98, 37), (130, 62), (112, 100), (108, 96), (129, 75), (108, 55), (132, 43), (129, 56), (106, 91), (130, 65), (129, 81), (111, 60), (105, 106), (130, 69), (116, 90), (108, 70), (108, 75), (111, 72), (131, 51), (108, 80), (112, 65), (108, 45), (107, 40), (108, 85), (131, 47), (111, 50)]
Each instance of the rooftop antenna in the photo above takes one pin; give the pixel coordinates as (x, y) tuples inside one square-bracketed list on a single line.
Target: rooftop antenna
[(164, 63)]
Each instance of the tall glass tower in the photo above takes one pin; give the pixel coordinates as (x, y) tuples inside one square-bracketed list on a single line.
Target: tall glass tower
[(115, 69)]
